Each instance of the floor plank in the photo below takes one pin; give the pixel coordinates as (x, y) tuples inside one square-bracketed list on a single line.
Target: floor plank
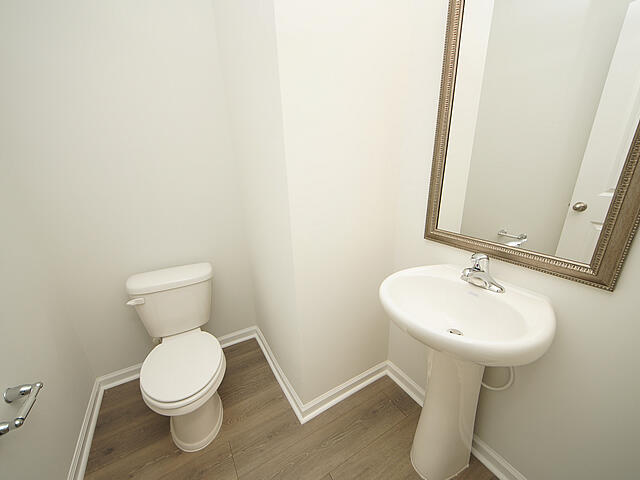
[(215, 462), (368, 435), (116, 446), (476, 471), (387, 458), (329, 446), (404, 402), (278, 433)]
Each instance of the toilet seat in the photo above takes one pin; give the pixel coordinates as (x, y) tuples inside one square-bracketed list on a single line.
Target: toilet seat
[(182, 372)]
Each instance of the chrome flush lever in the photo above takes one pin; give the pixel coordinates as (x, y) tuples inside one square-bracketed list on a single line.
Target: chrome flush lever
[(30, 392)]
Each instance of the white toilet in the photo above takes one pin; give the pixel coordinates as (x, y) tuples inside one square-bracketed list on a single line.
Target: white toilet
[(180, 376)]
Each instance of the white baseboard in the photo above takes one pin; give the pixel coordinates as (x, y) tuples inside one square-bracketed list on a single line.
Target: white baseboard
[(495, 462), (304, 411), (83, 445), (325, 401), (114, 379), (411, 388), (237, 337), (309, 410)]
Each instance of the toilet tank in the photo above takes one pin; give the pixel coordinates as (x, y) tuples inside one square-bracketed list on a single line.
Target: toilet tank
[(172, 300)]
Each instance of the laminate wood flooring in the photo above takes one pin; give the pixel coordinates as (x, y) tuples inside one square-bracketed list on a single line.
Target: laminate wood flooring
[(367, 436)]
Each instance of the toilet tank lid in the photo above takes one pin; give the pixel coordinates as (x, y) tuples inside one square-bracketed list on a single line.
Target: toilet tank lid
[(168, 278)]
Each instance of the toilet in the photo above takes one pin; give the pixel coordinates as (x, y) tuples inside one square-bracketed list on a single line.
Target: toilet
[(180, 376)]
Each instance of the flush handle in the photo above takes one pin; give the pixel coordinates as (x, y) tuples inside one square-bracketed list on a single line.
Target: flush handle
[(135, 301)]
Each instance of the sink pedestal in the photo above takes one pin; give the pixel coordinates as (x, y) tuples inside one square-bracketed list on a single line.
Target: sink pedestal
[(442, 443), (482, 327)]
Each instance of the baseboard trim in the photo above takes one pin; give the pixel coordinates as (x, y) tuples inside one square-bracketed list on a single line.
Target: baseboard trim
[(403, 380), (304, 411), (495, 462), (339, 393), (83, 445), (118, 378), (237, 337), (307, 411)]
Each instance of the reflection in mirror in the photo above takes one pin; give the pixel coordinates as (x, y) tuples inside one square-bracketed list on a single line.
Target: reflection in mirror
[(547, 101)]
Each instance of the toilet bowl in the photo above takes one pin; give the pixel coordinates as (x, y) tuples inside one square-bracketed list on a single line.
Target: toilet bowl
[(180, 376)]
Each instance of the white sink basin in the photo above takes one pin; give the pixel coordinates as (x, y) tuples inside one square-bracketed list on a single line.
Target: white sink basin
[(467, 328), (493, 329)]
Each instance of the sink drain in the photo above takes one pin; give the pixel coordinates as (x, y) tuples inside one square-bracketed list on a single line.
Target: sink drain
[(455, 331)]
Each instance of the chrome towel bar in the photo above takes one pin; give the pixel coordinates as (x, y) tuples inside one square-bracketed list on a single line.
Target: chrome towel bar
[(519, 236)]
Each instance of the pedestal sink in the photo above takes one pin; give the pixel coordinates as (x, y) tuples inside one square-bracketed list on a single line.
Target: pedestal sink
[(468, 328)]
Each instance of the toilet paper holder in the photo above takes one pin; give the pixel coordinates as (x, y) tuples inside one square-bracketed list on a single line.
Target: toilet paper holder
[(30, 392)]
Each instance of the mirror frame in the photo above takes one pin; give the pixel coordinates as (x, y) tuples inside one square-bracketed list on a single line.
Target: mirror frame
[(620, 225)]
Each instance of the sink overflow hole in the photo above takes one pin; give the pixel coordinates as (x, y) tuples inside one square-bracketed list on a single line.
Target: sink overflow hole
[(455, 331)]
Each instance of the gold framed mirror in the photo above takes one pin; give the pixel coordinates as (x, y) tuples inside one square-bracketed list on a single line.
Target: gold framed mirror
[(531, 211)]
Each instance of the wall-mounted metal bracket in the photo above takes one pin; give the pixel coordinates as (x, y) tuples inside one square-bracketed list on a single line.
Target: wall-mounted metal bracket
[(29, 391), (519, 236)]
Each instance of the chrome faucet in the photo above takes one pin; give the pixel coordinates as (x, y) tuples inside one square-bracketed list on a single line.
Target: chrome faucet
[(478, 274)]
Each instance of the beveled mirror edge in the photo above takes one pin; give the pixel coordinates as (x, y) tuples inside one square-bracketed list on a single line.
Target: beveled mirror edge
[(620, 224)]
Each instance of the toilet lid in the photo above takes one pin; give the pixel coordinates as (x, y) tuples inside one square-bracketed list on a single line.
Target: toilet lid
[(180, 366)]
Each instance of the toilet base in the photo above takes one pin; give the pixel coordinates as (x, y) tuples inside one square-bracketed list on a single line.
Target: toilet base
[(195, 430)]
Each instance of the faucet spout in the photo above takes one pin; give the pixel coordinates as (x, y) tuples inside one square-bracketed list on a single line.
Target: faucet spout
[(478, 274)]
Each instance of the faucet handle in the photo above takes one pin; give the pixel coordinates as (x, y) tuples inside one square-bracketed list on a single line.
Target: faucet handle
[(480, 262)]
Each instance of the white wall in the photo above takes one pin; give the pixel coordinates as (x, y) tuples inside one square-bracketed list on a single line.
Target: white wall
[(315, 92), (116, 158), (38, 342), (247, 43), (114, 118), (573, 413), (343, 72)]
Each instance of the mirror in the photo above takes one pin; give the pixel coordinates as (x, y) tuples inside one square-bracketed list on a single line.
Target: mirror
[(538, 134)]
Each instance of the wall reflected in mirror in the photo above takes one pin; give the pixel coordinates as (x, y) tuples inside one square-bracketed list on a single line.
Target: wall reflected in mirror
[(547, 100)]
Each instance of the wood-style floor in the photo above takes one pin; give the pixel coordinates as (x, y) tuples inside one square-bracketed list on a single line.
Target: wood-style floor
[(366, 436)]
